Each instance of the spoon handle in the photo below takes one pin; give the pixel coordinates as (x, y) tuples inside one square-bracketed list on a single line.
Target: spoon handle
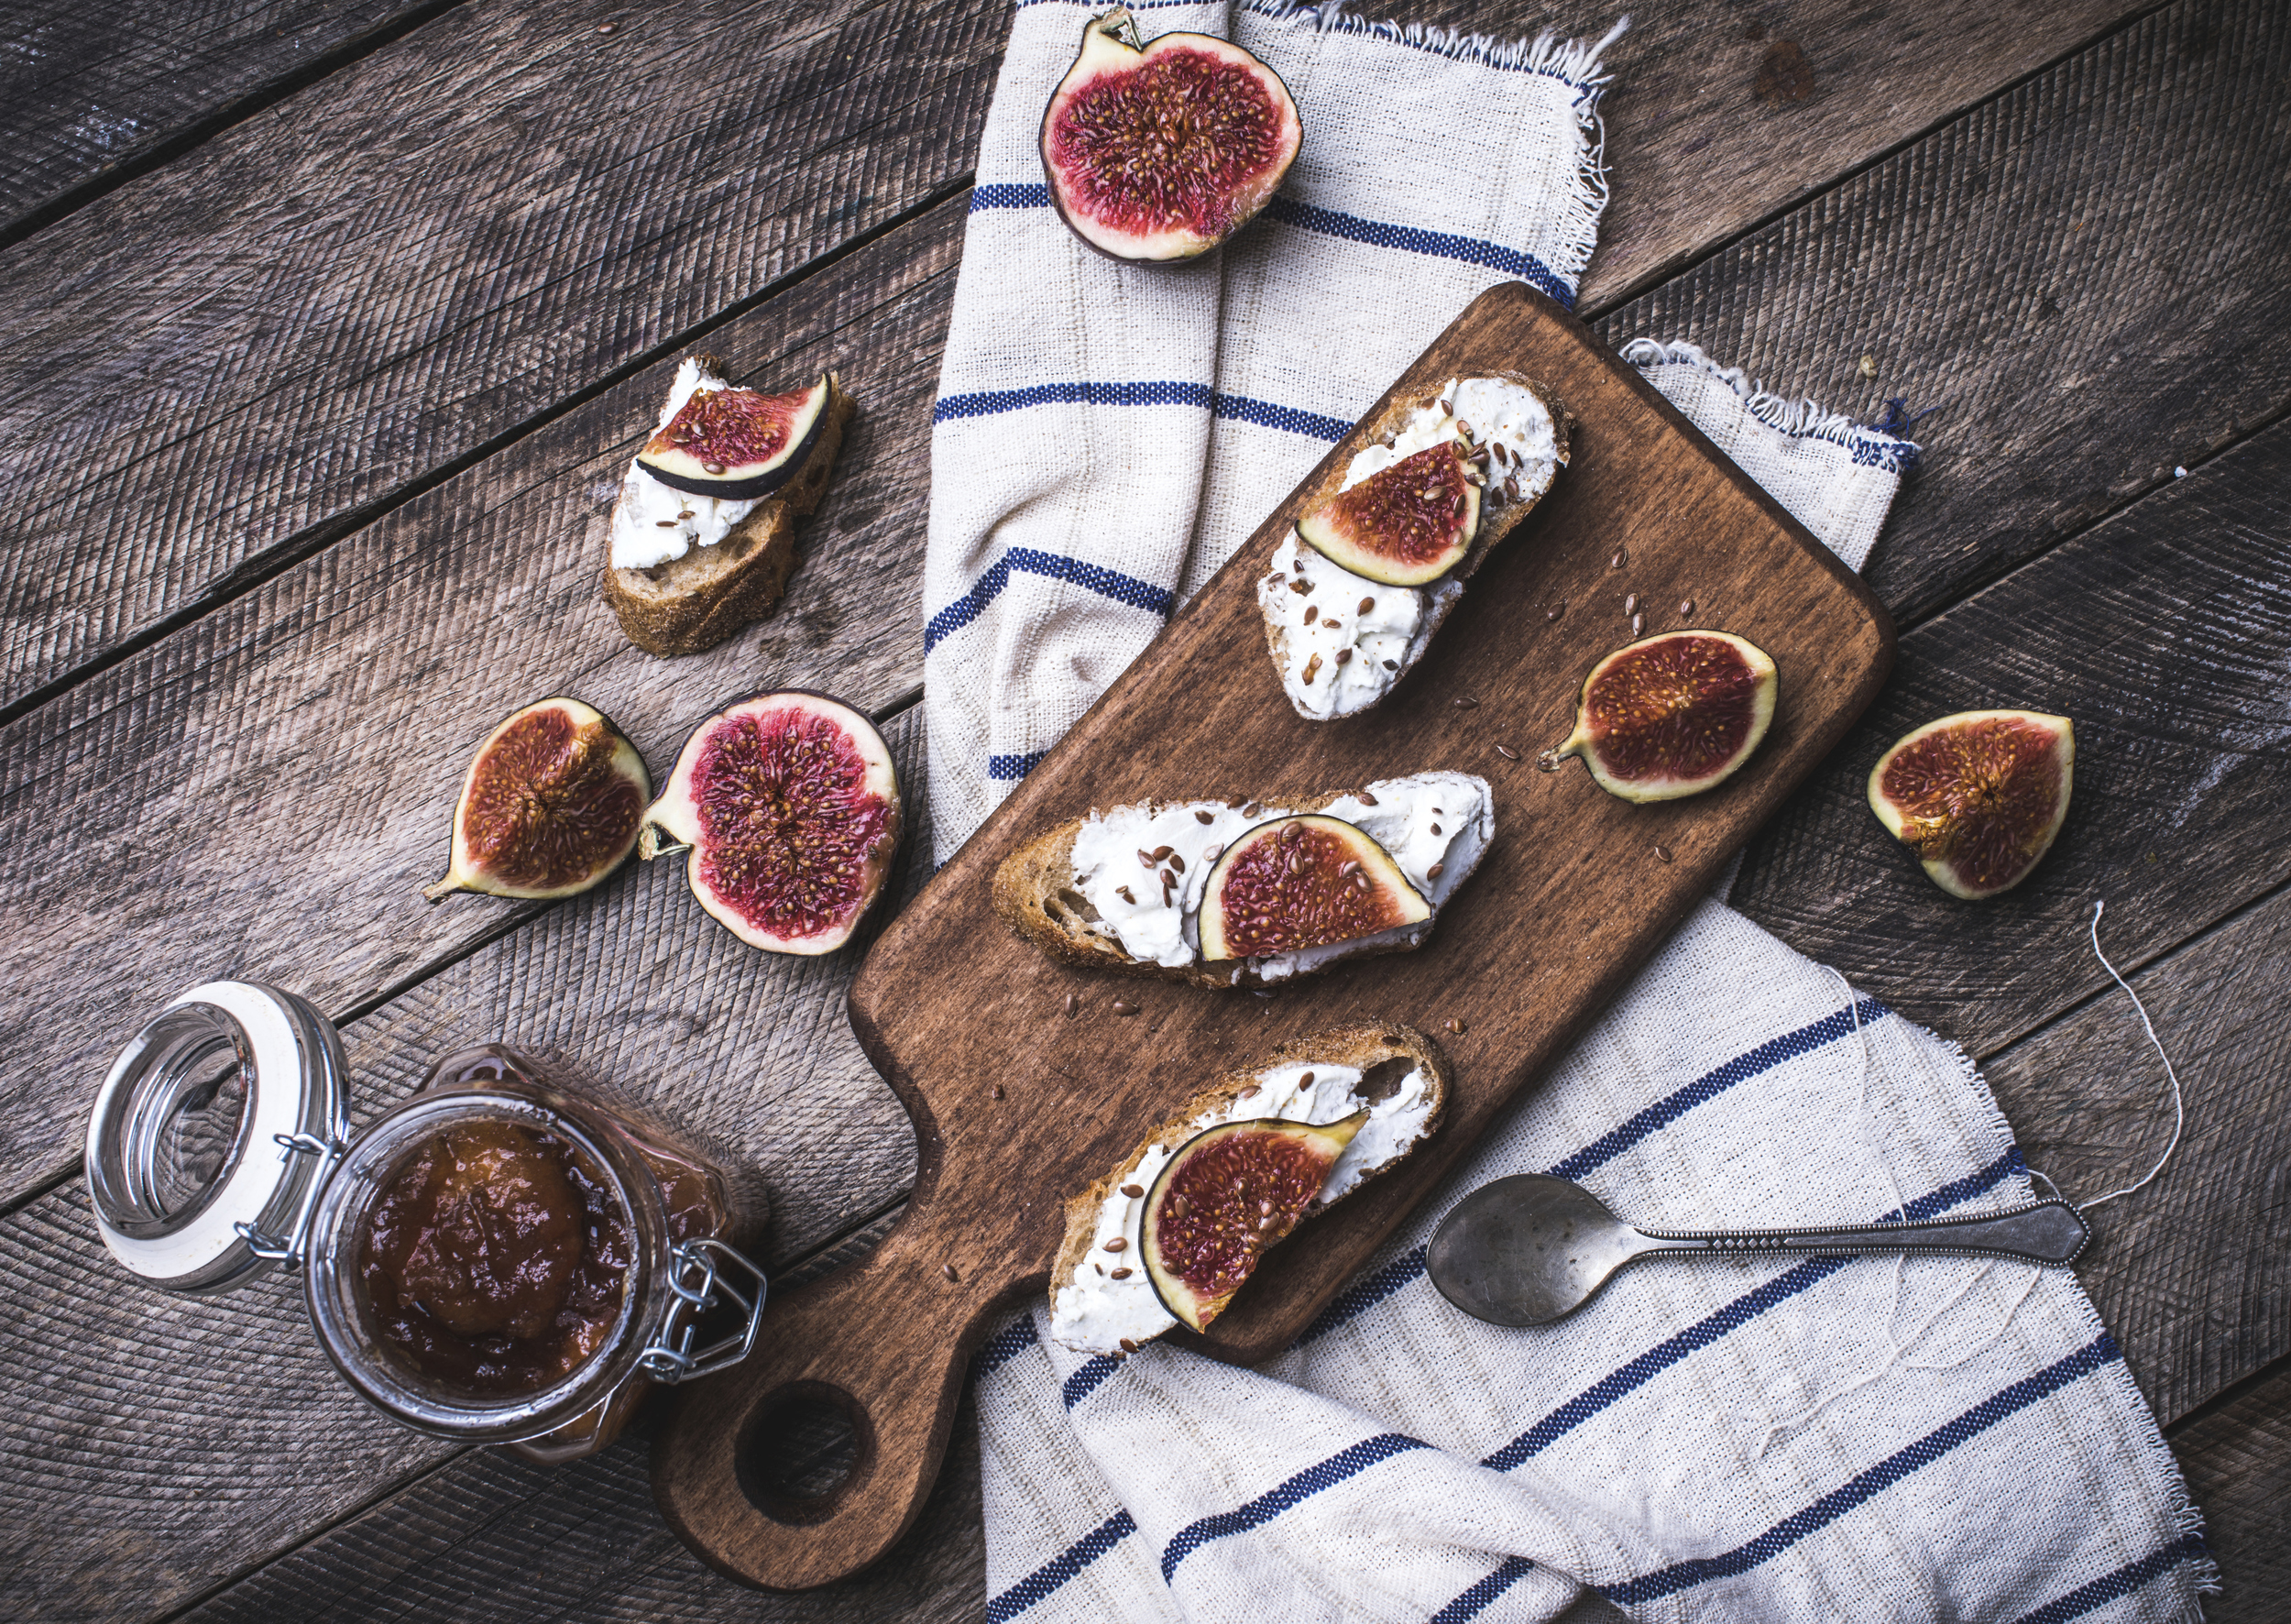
[(2048, 1231)]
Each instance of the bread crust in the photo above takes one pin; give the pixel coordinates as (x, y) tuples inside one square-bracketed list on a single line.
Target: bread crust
[(1033, 894), (1493, 528), (1362, 1046), (696, 601)]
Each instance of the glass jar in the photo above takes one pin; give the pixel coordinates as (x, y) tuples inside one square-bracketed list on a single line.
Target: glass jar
[(501, 1258)]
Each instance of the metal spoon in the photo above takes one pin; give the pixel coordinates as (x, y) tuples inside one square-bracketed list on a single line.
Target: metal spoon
[(1530, 1249)]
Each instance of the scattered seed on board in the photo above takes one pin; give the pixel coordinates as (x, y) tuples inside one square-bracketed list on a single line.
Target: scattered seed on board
[(1619, 560), (1456, 1027), (1638, 624), (1506, 752), (1686, 609), (1073, 1006), (995, 1092), (949, 1271), (1630, 603), (608, 27), (1121, 1008), (1200, 817), (1132, 1191), (1465, 702), (1663, 855), (1556, 610)]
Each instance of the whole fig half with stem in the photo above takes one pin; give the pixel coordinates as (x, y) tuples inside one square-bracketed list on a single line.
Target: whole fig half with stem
[(1226, 1196), (1160, 151), (1671, 714), (550, 805), (1303, 881), (1977, 796), (788, 805)]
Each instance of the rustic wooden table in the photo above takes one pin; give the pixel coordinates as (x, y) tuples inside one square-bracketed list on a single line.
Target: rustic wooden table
[(327, 326)]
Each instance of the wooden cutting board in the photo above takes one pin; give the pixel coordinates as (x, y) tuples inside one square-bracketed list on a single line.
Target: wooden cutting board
[(1577, 889)]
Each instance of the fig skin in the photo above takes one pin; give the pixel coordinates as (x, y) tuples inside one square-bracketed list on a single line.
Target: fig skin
[(1332, 845), (1959, 785), (590, 762), (1233, 1223), (1110, 46), (677, 822), (1335, 528), (1608, 686)]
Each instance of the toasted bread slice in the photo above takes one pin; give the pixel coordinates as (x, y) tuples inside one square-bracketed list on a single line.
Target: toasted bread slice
[(1034, 893), (1498, 520), (696, 601), (1385, 1054)]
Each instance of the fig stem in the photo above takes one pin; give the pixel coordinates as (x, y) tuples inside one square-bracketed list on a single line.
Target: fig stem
[(436, 893)]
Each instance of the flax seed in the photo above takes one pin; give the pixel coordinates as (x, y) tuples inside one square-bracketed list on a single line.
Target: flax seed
[(1132, 1191), (1200, 817), (1506, 752), (949, 1271), (1121, 1008)]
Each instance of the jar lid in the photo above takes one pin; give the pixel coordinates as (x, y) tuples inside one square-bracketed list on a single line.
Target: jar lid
[(212, 1134)]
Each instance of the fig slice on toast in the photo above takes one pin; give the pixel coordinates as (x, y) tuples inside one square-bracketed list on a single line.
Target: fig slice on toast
[(1407, 526), (1226, 1196), (738, 444), (1303, 881)]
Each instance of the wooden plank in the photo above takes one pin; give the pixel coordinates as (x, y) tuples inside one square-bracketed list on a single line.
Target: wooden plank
[(87, 94), (2193, 1273), (271, 788), (161, 1445), (2082, 276), (437, 246), (2165, 635), (426, 253), (951, 1003), (2238, 1463)]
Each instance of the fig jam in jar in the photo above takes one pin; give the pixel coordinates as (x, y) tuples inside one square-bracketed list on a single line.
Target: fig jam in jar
[(504, 1257)]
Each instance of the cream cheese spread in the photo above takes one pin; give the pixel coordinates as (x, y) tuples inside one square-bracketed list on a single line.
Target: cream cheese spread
[(652, 524), (1152, 908), (1498, 412), (1338, 657), (1094, 1312)]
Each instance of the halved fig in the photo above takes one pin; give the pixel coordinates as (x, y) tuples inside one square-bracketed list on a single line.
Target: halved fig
[(1977, 796), (549, 806), (1161, 151), (1228, 1194), (738, 444), (1406, 525), (789, 806), (1303, 881), (1671, 715)]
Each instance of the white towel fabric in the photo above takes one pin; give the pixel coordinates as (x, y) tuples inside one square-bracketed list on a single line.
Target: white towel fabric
[(1789, 1439)]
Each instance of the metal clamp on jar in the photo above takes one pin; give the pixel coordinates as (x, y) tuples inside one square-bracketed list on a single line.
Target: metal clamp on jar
[(499, 1259)]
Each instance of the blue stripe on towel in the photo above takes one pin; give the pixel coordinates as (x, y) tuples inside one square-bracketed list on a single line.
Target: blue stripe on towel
[(1001, 195), (1060, 1568), (2115, 1586), (1153, 392), (1087, 1377), (1366, 1293), (1010, 769), (1437, 245), (1864, 1486), (1031, 561), (1266, 414), (1328, 1474), (1477, 1600), (1003, 1347)]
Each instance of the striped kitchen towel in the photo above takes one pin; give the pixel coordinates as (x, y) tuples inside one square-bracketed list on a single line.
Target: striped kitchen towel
[(1747, 1439)]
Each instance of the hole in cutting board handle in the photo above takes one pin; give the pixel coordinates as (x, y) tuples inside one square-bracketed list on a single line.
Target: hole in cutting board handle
[(809, 1445)]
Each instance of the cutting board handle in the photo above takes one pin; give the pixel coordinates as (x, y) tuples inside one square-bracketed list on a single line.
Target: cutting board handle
[(884, 1341)]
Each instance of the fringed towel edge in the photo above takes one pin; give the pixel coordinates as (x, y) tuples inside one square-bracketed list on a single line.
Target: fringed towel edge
[(1800, 419)]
